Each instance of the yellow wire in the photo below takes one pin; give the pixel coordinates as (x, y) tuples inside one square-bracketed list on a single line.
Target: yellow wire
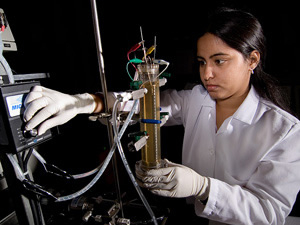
[(149, 51)]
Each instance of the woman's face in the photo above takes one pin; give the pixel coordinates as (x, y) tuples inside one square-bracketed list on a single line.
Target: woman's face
[(224, 71)]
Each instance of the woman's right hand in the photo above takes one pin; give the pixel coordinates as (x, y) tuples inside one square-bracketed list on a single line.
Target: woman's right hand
[(46, 108)]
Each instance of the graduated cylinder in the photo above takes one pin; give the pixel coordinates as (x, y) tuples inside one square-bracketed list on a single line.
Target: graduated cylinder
[(150, 114)]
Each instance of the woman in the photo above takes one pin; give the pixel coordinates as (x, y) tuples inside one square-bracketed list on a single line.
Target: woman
[(240, 150)]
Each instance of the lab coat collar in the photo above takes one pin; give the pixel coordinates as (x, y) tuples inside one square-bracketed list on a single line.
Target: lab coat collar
[(246, 112), (208, 101), (248, 108)]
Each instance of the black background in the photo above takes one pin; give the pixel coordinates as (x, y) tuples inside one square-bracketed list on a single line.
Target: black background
[(56, 36)]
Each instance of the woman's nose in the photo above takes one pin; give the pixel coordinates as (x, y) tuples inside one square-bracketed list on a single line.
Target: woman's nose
[(206, 72)]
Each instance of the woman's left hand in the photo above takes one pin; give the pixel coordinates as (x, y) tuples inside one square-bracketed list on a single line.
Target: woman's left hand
[(173, 180)]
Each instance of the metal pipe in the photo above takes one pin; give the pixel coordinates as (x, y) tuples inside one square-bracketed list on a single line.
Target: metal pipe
[(104, 90)]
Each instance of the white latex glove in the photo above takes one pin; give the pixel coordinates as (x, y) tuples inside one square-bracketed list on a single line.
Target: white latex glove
[(50, 108), (174, 180)]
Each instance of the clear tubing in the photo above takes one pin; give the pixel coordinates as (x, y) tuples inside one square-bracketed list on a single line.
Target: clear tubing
[(105, 163), (95, 179), (137, 187), (108, 158), (120, 148), (76, 176), (86, 174), (150, 110), (4, 63)]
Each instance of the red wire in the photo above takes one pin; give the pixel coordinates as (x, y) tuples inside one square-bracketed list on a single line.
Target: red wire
[(133, 49)]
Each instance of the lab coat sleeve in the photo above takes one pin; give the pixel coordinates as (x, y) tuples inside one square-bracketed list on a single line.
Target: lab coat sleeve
[(176, 103), (268, 196)]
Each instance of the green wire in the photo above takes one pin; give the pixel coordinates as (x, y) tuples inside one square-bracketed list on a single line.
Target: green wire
[(135, 60), (128, 70)]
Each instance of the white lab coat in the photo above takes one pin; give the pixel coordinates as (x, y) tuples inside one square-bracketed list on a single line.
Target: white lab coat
[(253, 160)]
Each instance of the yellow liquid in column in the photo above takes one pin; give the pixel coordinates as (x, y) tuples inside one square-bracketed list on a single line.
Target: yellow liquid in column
[(150, 109)]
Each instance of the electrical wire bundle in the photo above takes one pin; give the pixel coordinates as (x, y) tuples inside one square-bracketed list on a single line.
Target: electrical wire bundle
[(146, 58)]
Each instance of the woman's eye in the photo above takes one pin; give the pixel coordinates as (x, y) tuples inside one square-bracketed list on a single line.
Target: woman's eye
[(219, 61), (201, 62)]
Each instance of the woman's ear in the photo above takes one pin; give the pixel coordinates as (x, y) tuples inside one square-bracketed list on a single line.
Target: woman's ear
[(254, 59)]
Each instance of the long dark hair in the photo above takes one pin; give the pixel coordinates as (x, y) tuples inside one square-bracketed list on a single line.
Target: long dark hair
[(243, 32)]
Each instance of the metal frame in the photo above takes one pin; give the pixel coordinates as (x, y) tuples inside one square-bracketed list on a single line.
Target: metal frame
[(104, 91)]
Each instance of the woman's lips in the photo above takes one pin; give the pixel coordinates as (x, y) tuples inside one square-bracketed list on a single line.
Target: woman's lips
[(211, 87)]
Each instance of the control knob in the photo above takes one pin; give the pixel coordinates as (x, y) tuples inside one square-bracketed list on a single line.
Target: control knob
[(30, 133)]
